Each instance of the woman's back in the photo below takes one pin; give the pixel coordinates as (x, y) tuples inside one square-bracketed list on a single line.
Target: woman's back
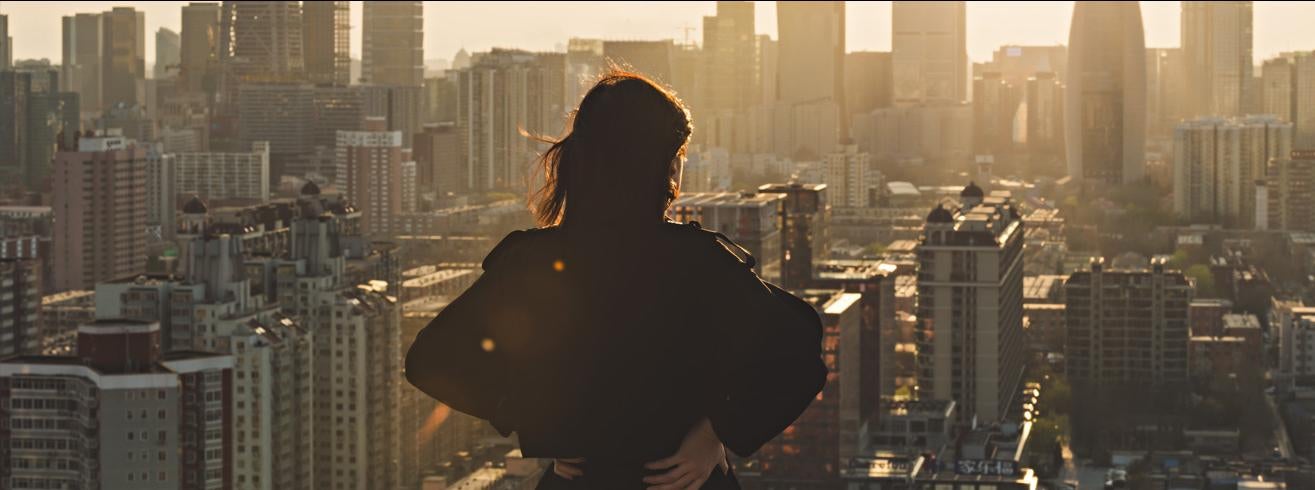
[(610, 344), (614, 335)]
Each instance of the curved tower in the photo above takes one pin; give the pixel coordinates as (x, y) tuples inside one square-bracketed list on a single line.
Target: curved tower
[(1105, 102)]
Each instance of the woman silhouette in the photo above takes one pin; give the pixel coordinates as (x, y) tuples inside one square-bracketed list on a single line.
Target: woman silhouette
[(630, 348)]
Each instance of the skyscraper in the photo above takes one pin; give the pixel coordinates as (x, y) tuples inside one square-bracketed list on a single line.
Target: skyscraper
[(868, 79), (392, 43), (81, 61), (261, 41), (1166, 90), (812, 45), (326, 35), (198, 57), (1216, 41), (995, 109), (100, 212), (1289, 86), (930, 51), (1217, 162), (33, 118), (1105, 102), (970, 305), (730, 58), (1045, 122), (168, 46), (123, 58), (6, 44)]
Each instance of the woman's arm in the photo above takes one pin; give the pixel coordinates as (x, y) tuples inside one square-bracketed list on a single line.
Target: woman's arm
[(456, 358), (771, 368)]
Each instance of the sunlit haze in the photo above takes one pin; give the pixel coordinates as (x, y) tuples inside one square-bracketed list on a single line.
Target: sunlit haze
[(478, 26)]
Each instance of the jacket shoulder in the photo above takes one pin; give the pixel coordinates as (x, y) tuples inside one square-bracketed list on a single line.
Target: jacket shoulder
[(710, 246), (515, 243)]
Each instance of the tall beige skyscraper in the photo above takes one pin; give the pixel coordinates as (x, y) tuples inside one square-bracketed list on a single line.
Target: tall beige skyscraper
[(812, 47), (730, 57), (326, 34), (198, 55), (392, 43), (929, 46), (1216, 40), (1105, 102), (80, 67), (123, 57)]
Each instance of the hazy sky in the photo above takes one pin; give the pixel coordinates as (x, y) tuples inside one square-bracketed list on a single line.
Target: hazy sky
[(477, 26)]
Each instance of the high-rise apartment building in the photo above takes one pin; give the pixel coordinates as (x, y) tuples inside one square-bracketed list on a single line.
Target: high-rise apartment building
[(929, 49), (123, 57), (1127, 326), (100, 212), (34, 115), (326, 38), (80, 64), (271, 402), (439, 167), (850, 177), (503, 92), (118, 414), (20, 300), (970, 305), (1290, 188), (223, 176), (1217, 163), (392, 43), (198, 57), (168, 50), (1105, 101), (1216, 44), (370, 168)]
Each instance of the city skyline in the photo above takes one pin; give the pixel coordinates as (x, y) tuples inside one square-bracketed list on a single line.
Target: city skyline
[(452, 26)]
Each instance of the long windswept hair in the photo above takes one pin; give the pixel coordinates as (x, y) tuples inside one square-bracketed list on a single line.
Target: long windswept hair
[(620, 160)]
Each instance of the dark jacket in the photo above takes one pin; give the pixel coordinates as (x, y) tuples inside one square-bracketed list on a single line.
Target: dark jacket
[(611, 344)]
